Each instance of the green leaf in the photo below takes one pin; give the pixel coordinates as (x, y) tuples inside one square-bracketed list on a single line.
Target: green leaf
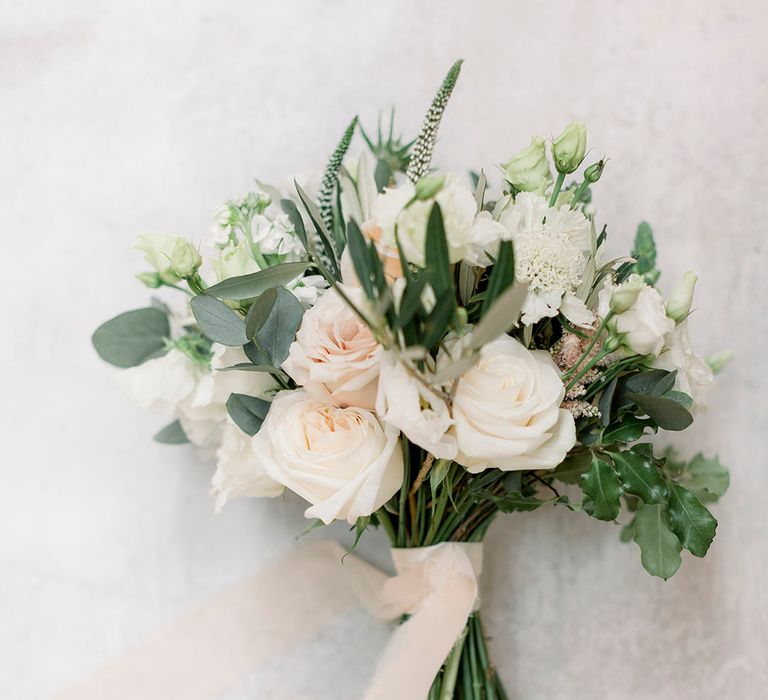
[(438, 473), (382, 174), (514, 501), (501, 317), (659, 546), (572, 467), (706, 478), (644, 252), (627, 531), (666, 413), (630, 428), (683, 399), (249, 367), (358, 250), (437, 323), (437, 261), (693, 524), (248, 412), (292, 211), (320, 229), (652, 382), (171, 434), (605, 402), (639, 475), (217, 321), (603, 490), (253, 284), (132, 337), (259, 312), (277, 332), (502, 276)]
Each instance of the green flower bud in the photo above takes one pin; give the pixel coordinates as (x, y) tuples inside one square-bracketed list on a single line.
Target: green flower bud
[(625, 295), (185, 260), (613, 342), (528, 170), (719, 361), (150, 279), (428, 187), (679, 304), (593, 172), (568, 149)]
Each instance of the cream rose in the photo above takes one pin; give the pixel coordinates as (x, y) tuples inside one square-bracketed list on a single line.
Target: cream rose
[(644, 326), (507, 411), (341, 460), (408, 405), (335, 355), (238, 473)]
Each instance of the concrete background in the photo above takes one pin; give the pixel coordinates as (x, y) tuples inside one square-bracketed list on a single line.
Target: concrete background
[(130, 116)]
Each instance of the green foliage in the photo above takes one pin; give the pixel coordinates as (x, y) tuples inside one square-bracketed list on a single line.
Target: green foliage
[(217, 321), (253, 284), (602, 489), (329, 255), (693, 524), (659, 546), (132, 337), (639, 474), (502, 276), (331, 176), (572, 467), (271, 326), (248, 412), (391, 153), (644, 253), (171, 434)]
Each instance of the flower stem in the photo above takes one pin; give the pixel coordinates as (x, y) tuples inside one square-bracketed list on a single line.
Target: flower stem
[(452, 668), (588, 349), (556, 190)]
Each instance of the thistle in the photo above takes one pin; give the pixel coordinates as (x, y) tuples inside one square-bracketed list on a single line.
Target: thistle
[(421, 155), (331, 176)]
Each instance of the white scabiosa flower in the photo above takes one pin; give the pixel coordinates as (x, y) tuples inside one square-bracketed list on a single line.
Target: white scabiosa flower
[(551, 251)]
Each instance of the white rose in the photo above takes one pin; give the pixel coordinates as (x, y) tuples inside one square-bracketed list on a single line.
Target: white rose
[(405, 403), (507, 410), (644, 326), (161, 384), (203, 413), (238, 472), (172, 256), (694, 375), (458, 207), (335, 355), (233, 261), (341, 460)]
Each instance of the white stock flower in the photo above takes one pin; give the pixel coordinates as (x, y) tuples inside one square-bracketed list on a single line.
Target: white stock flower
[(507, 410), (308, 289), (276, 237), (162, 383), (694, 375), (341, 460), (457, 205), (335, 355), (405, 403), (238, 472), (551, 251), (644, 326)]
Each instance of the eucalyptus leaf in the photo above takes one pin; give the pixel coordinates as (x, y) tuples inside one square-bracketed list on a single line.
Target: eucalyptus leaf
[(132, 337), (248, 412), (639, 475), (253, 284), (693, 524), (659, 546), (259, 312), (666, 413), (217, 321), (171, 434), (249, 367), (500, 318), (277, 331), (603, 490)]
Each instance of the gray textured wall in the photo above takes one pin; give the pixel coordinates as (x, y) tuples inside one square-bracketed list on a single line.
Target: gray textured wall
[(121, 117)]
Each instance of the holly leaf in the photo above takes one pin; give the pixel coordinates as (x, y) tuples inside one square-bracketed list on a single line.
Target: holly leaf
[(706, 478), (693, 524), (572, 467), (603, 490), (639, 475)]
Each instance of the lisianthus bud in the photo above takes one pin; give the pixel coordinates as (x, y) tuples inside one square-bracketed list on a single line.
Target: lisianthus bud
[(428, 187), (625, 295), (158, 249), (719, 361), (185, 260), (150, 279), (593, 172), (528, 170), (568, 149), (679, 304)]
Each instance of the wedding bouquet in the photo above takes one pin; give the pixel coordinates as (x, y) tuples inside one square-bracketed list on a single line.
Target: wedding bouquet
[(409, 352)]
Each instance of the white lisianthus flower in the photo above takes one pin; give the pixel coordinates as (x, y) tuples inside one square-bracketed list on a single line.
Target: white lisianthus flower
[(485, 237), (507, 411), (643, 327), (233, 261), (551, 251), (341, 460), (458, 207), (405, 403), (238, 472), (694, 375), (335, 356), (276, 236), (162, 383)]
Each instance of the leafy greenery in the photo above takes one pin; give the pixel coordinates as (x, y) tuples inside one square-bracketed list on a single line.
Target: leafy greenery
[(693, 524), (218, 321), (172, 434), (602, 489), (253, 284), (132, 337), (271, 326), (248, 412), (659, 546), (644, 252)]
